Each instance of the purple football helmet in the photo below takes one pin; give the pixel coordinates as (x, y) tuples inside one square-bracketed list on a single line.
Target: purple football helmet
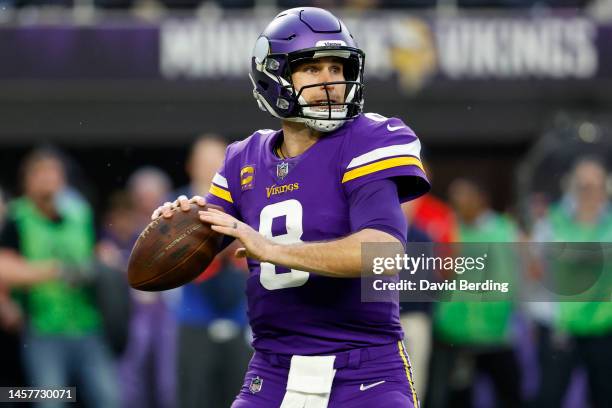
[(301, 34)]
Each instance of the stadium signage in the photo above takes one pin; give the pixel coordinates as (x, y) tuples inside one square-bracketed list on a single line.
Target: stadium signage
[(400, 49), (413, 50)]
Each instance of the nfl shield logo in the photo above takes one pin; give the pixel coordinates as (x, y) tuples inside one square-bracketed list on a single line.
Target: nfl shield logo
[(256, 384), (282, 169)]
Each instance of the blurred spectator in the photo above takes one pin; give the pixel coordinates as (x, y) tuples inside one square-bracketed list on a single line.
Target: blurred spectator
[(576, 333), (213, 348), (429, 219), (432, 216), (10, 313), (474, 337), (147, 187), (11, 322), (119, 230), (113, 251), (539, 205), (63, 326), (147, 367)]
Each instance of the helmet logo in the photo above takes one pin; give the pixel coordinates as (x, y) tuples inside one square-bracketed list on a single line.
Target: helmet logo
[(330, 43)]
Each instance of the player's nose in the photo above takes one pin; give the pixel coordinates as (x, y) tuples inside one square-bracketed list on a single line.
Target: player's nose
[(326, 76)]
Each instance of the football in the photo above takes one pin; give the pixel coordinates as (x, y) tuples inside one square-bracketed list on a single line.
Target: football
[(172, 252)]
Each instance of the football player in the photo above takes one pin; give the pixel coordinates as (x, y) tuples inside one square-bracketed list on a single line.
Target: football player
[(301, 200)]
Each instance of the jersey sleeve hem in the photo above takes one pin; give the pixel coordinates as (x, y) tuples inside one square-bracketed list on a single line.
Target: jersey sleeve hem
[(384, 164), (388, 230), (221, 193)]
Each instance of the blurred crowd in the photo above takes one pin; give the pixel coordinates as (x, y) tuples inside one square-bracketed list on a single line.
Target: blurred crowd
[(68, 318), (284, 4)]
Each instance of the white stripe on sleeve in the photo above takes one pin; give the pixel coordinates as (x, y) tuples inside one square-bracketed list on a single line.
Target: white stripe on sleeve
[(220, 180), (410, 149)]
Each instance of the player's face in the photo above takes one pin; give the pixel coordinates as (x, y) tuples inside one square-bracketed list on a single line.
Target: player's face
[(315, 71)]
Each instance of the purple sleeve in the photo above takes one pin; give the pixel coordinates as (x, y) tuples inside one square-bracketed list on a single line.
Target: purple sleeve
[(376, 205), (384, 149), (221, 189), (229, 208)]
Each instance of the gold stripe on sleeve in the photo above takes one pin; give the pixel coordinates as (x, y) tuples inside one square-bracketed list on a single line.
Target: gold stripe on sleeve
[(221, 193), (381, 165)]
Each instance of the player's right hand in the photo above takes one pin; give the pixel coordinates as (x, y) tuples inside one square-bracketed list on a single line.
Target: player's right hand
[(182, 202)]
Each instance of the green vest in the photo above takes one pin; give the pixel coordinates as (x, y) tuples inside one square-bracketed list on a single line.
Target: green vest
[(56, 308), (583, 318), (485, 323)]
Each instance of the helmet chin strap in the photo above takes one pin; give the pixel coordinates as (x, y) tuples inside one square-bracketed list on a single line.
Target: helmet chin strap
[(323, 125), (318, 125)]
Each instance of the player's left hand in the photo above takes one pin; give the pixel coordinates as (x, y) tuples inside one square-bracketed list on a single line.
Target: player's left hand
[(256, 246)]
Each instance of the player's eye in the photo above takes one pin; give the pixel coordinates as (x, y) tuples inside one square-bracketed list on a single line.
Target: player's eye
[(336, 69)]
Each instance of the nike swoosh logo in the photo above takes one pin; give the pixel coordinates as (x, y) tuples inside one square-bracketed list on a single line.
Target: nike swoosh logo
[(394, 128), (367, 387)]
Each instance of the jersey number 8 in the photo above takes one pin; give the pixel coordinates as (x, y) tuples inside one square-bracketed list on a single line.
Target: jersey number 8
[(291, 211)]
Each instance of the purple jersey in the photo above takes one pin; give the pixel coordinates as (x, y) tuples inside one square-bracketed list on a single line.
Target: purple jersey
[(306, 198)]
